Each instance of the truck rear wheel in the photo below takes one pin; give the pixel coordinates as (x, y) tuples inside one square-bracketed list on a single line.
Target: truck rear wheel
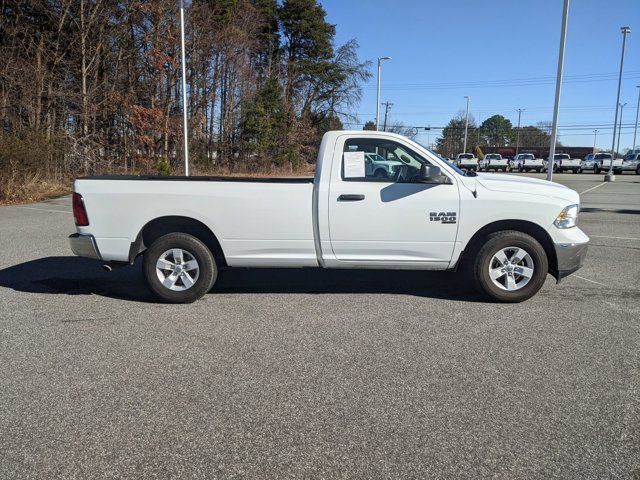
[(179, 268), (510, 267)]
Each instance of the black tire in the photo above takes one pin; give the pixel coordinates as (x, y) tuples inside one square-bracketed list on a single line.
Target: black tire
[(380, 173), (207, 274), (579, 170), (638, 170), (501, 240), (538, 170), (596, 169)]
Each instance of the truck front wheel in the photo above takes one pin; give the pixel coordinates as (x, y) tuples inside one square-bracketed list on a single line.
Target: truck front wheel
[(510, 267), (179, 268)]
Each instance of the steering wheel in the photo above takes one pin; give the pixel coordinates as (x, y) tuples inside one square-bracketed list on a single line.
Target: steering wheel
[(400, 174), (404, 175)]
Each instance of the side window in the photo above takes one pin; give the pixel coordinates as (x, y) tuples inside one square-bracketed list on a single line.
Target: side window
[(384, 161)]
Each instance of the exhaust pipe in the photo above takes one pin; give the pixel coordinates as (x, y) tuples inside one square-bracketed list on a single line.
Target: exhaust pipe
[(106, 267)]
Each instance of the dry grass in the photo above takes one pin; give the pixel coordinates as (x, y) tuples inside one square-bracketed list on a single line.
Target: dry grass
[(266, 172), (16, 189)]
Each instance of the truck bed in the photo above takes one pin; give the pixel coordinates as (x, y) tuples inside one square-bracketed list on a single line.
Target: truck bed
[(258, 221), (201, 178)]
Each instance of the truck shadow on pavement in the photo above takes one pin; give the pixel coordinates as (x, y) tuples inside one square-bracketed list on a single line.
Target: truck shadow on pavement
[(81, 276)]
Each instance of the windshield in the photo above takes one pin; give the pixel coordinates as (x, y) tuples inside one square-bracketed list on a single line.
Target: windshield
[(561, 156), (456, 169), (465, 156), (630, 156), (492, 156), (527, 156), (602, 156)]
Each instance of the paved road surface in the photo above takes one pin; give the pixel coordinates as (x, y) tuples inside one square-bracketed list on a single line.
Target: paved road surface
[(319, 374)]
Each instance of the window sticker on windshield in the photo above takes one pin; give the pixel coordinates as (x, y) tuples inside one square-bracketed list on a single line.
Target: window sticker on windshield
[(353, 164)]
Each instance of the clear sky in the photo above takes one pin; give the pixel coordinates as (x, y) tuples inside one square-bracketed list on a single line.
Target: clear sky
[(502, 53)]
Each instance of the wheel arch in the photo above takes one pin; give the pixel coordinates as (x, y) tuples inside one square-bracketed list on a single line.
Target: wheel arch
[(160, 226), (524, 226)]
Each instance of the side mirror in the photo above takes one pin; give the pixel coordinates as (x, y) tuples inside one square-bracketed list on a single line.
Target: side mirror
[(430, 173)]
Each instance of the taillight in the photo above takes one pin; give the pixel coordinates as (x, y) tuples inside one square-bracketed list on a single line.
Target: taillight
[(79, 212)]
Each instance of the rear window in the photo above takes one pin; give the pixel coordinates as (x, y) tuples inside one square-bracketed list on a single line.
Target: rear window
[(466, 156)]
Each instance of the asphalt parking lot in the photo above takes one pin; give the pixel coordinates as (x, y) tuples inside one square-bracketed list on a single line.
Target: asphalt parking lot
[(319, 374)]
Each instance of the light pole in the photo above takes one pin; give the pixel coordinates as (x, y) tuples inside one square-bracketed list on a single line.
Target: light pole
[(184, 92), (466, 126), (556, 106), (520, 110), (380, 59), (622, 105), (609, 177), (635, 131), (595, 136)]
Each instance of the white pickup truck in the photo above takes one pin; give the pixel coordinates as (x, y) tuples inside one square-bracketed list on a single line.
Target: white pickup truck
[(522, 162), (630, 163), (599, 162), (466, 161), (562, 162), (494, 161), (508, 232), (533, 164)]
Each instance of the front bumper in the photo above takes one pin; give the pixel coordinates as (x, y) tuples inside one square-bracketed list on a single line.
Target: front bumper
[(84, 246), (570, 257)]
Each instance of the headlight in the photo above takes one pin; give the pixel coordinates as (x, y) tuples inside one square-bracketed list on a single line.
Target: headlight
[(568, 217)]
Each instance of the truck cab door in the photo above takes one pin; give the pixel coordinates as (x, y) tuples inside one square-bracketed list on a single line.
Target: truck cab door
[(396, 220)]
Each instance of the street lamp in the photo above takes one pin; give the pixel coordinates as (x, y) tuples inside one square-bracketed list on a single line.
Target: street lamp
[(466, 125), (635, 131), (609, 177), (184, 92), (556, 105), (380, 60), (595, 136), (520, 110), (622, 105)]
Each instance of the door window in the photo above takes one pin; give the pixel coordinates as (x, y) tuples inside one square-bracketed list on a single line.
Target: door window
[(384, 161)]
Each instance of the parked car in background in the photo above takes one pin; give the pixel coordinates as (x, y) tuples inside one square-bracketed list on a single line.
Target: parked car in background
[(519, 160), (593, 162), (562, 162), (377, 166), (494, 161), (428, 216), (533, 164), (630, 163), (466, 161)]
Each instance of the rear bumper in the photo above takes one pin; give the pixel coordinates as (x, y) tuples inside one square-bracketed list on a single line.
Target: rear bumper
[(84, 246), (570, 257)]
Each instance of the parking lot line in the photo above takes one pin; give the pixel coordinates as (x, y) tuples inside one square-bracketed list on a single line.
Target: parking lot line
[(592, 188), (588, 280), (614, 238), (43, 209)]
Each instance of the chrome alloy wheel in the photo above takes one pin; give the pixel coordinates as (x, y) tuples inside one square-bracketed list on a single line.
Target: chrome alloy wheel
[(177, 269), (511, 268)]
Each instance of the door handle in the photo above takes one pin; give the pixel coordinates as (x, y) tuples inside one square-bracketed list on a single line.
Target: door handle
[(350, 197)]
